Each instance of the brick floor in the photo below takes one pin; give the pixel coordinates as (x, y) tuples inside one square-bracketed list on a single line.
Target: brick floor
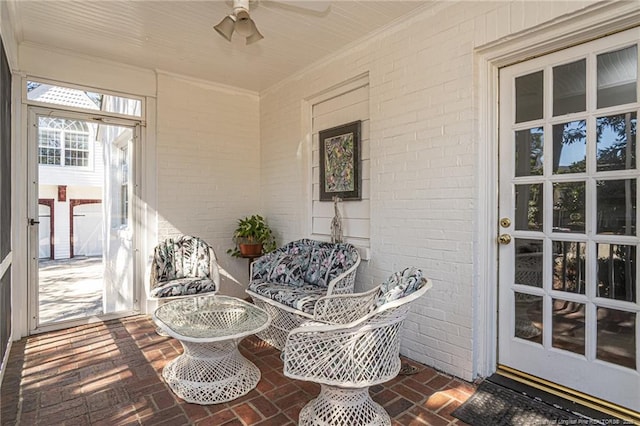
[(109, 374)]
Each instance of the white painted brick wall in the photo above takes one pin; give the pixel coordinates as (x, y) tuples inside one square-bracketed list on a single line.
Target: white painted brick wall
[(208, 163), (423, 150)]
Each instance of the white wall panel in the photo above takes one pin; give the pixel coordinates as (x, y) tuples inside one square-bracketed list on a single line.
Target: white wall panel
[(347, 106)]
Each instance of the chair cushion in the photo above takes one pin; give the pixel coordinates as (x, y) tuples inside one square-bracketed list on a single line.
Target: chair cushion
[(327, 261), (305, 261), (300, 297), (400, 284), (183, 287), (185, 257), (289, 268)]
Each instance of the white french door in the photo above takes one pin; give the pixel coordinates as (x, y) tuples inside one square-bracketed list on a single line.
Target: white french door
[(568, 259)]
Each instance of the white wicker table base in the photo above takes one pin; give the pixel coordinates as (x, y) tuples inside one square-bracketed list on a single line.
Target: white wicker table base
[(343, 407), (211, 373)]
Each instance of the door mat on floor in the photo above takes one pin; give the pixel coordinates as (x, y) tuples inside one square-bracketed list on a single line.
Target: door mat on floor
[(495, 405)]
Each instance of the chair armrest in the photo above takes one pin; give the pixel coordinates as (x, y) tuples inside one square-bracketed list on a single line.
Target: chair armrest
[(345, 282), (344, 308)]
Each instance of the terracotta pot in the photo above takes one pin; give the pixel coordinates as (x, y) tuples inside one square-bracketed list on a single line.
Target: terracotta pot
[(251, 249)]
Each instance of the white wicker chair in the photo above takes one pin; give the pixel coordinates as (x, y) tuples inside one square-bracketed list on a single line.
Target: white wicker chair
[(290, 297), (353, 344), (185, 266)]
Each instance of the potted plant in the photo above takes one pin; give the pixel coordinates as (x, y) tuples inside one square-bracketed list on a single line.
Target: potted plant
[(252, 237)]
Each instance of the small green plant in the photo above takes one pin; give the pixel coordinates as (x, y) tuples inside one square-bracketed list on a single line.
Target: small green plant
[(252, 230)]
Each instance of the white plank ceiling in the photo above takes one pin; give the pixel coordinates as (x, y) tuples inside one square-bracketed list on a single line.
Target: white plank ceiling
[(177, 35)]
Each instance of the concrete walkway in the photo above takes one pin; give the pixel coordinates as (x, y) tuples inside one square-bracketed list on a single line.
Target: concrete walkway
[(70, 288)]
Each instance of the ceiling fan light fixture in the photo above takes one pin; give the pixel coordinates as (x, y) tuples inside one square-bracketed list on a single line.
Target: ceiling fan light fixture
[(226, 26), (244, 24), (255, 36), (239, 21)]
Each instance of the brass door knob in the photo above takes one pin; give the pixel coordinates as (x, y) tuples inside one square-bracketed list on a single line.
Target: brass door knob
[(504, 239)]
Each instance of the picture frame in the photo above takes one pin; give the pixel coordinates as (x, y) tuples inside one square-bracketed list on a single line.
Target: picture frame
[(340, 172)]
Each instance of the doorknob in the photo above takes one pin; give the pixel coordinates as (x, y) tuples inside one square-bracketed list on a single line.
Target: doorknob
[(33, 222), (505, 222), (504, 239)]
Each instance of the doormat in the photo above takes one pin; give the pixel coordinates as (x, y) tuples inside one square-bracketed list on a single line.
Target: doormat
[(495, 405)]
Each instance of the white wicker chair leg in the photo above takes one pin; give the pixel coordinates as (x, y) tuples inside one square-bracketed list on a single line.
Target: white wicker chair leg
[(343, 407)]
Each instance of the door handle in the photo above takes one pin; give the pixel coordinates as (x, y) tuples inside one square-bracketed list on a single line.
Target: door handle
[(504, 239), (505, 222), (33, 222)]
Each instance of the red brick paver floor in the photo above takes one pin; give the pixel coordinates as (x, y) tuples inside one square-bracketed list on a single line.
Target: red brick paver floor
[(110, 374)]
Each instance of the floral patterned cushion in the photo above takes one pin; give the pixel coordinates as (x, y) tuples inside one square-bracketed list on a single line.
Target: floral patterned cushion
[(182, 266), (400, 284), (329, 260), (183, 287), (289, 269), (298, 274), (302, 298), (262, 268), (315, 262)]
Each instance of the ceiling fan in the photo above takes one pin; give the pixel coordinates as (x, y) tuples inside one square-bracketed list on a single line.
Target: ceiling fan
[(240, 21)]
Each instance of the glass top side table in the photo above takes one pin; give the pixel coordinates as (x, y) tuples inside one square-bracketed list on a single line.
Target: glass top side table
[(211, 369)]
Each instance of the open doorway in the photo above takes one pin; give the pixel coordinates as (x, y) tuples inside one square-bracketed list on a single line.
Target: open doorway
[(82, 233)]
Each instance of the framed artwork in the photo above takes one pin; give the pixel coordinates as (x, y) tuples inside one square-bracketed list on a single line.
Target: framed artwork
[(340, 174)]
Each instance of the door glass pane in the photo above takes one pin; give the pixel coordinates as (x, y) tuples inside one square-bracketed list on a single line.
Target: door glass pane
[(616, 271), (529, 207), (568, 326), (570, 147), (616, 340), (529, 92), (529, 159), (568, 206), (568, 266), (569, 88), (617, 75), (616, 206), (528, 315), (616, 143), (528, 262)]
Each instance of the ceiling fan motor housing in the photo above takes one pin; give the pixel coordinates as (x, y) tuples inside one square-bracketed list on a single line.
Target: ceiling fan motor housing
[(241, 9)]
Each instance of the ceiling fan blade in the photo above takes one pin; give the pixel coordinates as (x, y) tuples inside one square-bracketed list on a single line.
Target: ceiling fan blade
[(311, 7)]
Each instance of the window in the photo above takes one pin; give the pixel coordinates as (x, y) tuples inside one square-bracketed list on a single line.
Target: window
[(63, 142), (83, 99)]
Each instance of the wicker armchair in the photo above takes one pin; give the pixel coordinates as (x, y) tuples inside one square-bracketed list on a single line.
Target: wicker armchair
[(289, 282), (183, 267), (352, 344)]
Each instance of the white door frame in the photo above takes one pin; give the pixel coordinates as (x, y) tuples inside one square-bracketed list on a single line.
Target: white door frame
[(54, 111), (592, 22), (135, 85)]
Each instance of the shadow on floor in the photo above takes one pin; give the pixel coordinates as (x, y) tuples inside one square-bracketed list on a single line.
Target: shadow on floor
[(110, 374)]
